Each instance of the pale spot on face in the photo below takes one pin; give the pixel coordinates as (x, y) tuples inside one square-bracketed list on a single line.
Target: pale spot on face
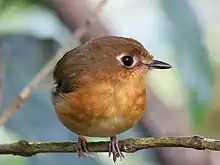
[(135, 59)]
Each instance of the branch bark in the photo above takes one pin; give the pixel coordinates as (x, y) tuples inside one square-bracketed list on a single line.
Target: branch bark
[(27, 149)]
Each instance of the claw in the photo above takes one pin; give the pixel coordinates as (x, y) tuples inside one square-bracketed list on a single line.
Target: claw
[(82, 149), (114, 149)]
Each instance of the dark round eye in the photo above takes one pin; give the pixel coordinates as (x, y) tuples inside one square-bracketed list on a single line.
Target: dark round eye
[(127, 60)]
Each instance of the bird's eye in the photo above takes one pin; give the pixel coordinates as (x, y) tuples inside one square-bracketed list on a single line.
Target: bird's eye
[(127, 61)]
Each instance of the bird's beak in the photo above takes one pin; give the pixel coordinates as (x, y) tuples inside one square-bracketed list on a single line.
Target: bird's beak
[(159, 65)]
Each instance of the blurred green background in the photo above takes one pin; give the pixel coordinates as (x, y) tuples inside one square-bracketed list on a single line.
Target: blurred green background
[(181, 101)]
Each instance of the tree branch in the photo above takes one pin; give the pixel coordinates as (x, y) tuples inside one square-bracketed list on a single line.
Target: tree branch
[(26, 149)]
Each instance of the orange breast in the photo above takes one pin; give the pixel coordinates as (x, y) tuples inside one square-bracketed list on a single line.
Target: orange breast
[(103, 109)]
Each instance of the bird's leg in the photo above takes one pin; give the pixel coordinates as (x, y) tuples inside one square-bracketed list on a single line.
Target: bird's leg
[(114, 149), (82, 147)]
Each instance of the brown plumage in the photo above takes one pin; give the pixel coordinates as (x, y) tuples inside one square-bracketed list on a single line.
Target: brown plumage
[(100, 88)]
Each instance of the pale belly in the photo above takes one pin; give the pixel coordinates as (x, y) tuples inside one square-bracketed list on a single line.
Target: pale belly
[(111, 126)]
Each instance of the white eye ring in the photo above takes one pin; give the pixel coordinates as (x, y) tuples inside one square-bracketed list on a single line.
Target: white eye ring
[(128, 61)]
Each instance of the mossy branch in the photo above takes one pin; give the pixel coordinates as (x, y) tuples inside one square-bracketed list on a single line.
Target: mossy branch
[(25, 148)]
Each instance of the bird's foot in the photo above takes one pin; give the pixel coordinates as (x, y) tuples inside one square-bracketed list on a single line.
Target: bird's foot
[(82, 149), (114, 149)]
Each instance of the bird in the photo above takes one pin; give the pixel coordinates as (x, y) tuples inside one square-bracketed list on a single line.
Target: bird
[(99, 89)]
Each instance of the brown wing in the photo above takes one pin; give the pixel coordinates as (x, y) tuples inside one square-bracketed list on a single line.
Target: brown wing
[(63, 74)]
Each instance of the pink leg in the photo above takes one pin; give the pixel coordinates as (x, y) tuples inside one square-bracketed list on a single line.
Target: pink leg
[(114, 149), (82, 147)]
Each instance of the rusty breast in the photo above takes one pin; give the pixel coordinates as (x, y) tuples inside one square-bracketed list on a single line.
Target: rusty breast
[(104, 108)]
